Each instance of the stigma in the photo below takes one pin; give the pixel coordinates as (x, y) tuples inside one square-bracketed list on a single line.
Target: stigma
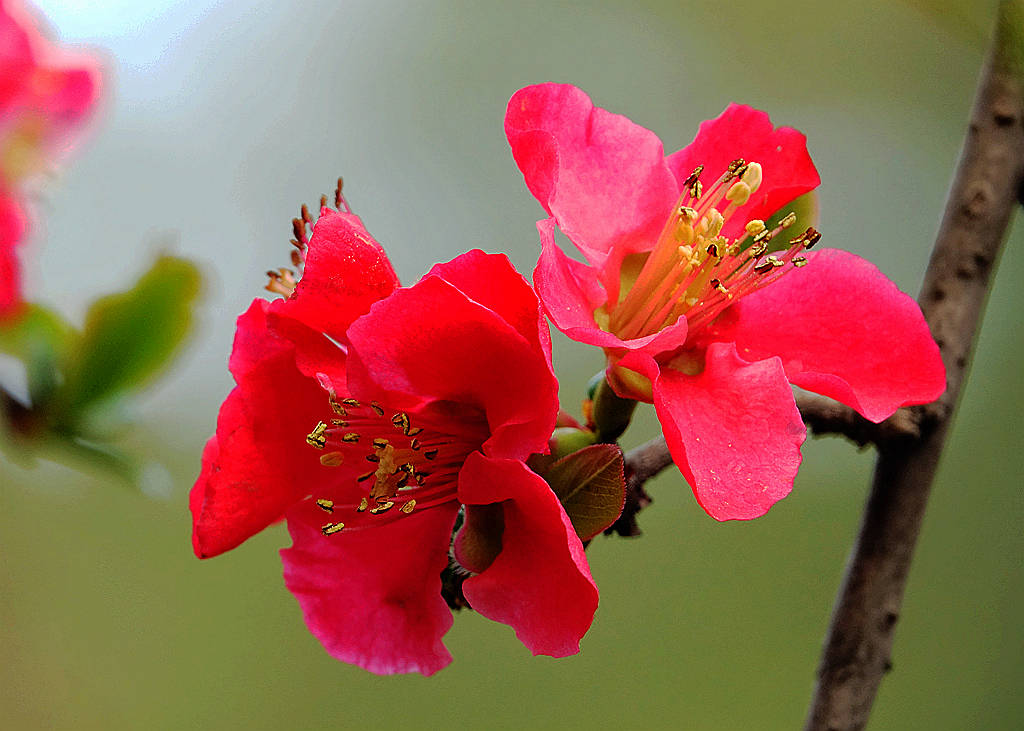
[(402, 466), (693, 271)]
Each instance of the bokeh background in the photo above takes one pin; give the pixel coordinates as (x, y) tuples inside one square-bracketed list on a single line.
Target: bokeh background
[(220, 118)]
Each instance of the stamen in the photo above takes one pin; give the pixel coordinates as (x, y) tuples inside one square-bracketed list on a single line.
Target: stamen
[(325, 504), (316, 437), (332, 459), (329, 529)]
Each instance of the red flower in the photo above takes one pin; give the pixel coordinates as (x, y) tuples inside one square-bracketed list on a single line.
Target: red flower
[(45, 93), (369, 415), (676, 289)]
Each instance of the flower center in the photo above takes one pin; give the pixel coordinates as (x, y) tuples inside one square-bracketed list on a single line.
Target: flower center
[(695, 272), (405, 466)]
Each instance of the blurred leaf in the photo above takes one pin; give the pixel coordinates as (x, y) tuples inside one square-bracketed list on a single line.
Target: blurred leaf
[(130, 337), (591, 486), (966, 19), (39, 337), (806, 209)]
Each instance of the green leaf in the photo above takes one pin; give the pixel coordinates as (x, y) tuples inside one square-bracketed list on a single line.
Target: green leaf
[(131, 336), (591, 486), (806, 209), (39, 337)]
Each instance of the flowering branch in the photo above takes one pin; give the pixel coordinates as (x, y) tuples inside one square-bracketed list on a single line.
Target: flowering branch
[(988, 183)]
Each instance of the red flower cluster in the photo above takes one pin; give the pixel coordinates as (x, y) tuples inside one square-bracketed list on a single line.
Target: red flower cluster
[(373, 417), (45, 94), (695, 308)]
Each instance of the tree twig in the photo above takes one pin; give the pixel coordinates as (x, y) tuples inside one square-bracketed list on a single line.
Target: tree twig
[(988, 184), (985, 191)]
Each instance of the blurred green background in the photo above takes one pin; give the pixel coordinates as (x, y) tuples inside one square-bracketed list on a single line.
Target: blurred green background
[(222, 117)]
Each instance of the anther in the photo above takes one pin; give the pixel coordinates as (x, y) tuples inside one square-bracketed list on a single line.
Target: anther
[(408, 507), (696, 190), (380, 443), (305, 214), (401, 421), (759, 249), (414, 445), (754, 226), (814, 238), (763, 267), (430, 453), (739, 193), (337, 194), (413, 431), (712, 250), (350, 402), (372, 458), (693, 177), (323, 202), (325, 504), (364, 478), (363, 505), (350, 438), (339, 422), (316, 437), (296, 258), (329, 529), (752, 176), (332, 459), (299, 229), (687, 213), (382, 508), (737, 167), (799, 261), (763, 237), (377, 408), (788, 221), (775, 261)]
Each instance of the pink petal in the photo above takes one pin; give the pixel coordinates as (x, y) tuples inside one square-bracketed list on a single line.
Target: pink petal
[(601, 176), (491, 280), (734, 432), (373, 596), (742, 131), (571, 293), (12, 227), (440, 344), (540, 583), (345, 272), (258, 464), (844, 330)]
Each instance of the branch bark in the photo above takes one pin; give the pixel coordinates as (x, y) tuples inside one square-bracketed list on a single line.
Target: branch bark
[(987, 185)]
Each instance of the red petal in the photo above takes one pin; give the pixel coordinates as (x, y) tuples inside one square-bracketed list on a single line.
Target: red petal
[(491, 280), (601, 176), (345, 272), (540, 583), (734, 431), (844, 330), (12, 226), (258, 464), (373, 597), (431, 341), (742, 131), (570, 293)]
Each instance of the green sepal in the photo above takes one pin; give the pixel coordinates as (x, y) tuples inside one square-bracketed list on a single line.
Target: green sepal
[(39, 337)]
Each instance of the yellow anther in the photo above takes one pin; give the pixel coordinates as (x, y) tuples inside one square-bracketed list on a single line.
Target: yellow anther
[(401, 421), (752, 176), (382, 508), (737, 166), (335, 406), (739, 193), (799, 261), (350, 402), (350, 438), (377, 408), (339, 422), (408, 507), (688, 214), (363, 505), (754, 226), (325, 504), (713, 223), (329, 529), (413, 431), (332, 459), (430, 453), (788, 221), (380, 443), (316, 437)]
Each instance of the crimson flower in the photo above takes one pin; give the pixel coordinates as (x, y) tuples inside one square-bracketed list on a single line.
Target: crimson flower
[(372, 418), (693, 308), (45, 93)]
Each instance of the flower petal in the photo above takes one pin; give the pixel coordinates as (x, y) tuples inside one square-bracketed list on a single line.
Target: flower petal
[(601, 176), (491, 280), (742, 131), (571, 293), (431, 341), (540, 582), (12, 227), (734, 432), (345, 272), (844, 330), (373, 597), (258, 464)]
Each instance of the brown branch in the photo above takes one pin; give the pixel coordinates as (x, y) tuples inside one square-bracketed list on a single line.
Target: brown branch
[(983, 195), (988, 184)]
